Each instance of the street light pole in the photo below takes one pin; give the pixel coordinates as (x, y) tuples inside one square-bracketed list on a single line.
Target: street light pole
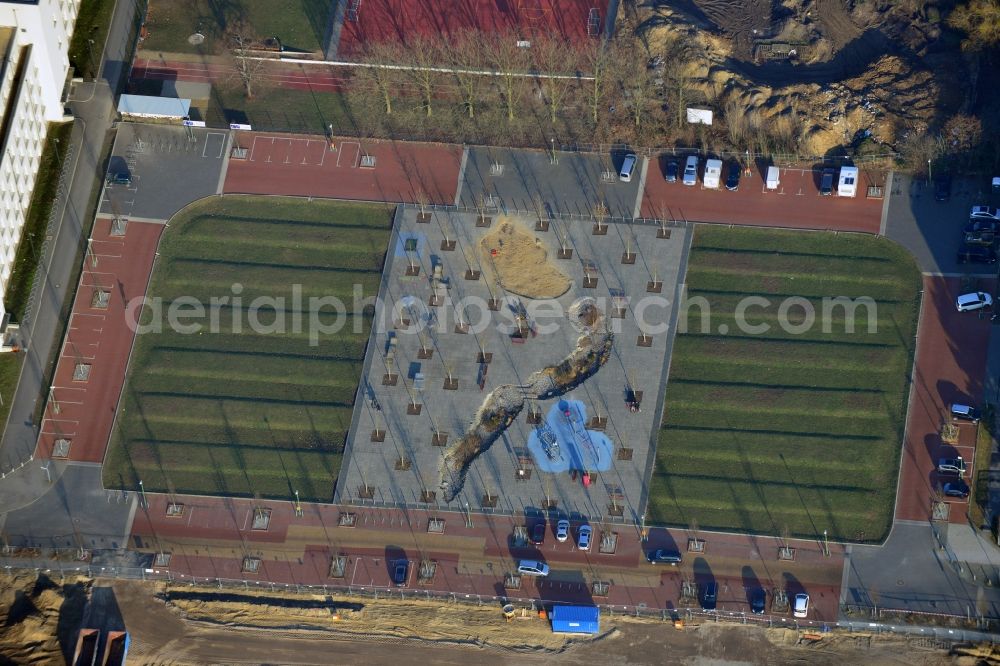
[(142, 491), (930, 172)]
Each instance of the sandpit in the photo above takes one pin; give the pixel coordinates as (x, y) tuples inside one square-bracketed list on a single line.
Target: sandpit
[(521, 262)]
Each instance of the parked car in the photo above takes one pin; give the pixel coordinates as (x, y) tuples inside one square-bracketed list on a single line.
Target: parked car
[(942, 187), (120, 178), (709, 594), (670, 172), (956, 489), (733, 177), (671, 557), (987, 212), (691, 170), (800, 608), (826, 182), (951, 466), (538, 533), (583, 534), (532, 568), (986, 238), (982, 225), (758, 599), (973, 301), (401, 572), (976, 254), (562, 530), (960, 412)]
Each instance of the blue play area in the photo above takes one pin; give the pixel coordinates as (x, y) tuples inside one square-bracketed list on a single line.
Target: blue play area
[(561, 442)]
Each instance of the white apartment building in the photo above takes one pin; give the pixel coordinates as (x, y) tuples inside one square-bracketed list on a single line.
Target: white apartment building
[(34, 43)]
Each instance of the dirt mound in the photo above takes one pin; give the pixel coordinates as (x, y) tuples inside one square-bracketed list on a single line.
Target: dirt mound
[(521, 262), (38, 618)]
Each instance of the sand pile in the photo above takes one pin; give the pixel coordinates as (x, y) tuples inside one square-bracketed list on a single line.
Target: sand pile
[(35, 614), (521, 262)]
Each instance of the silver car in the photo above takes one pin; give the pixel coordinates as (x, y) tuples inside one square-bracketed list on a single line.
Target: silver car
[(974, 301), (691, 170)]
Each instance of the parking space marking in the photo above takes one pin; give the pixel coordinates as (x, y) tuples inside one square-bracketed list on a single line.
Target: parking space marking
[(221, 138)]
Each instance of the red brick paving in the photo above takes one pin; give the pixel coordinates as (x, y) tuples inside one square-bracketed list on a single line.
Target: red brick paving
[(213, 536), (100, 338), (304, 166), (403, 20), (796, 204), (950, 366)]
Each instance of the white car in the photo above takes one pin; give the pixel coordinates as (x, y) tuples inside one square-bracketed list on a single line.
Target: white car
[(691, 170), (583, 537), (532, 568), (985, 211), (974, 301), (562, 530), (801, 606)]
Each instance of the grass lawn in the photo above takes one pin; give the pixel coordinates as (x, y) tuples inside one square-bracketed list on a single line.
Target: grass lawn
[(243, 411), (299, 24), (29, 249), (92, 23), (782, 432)]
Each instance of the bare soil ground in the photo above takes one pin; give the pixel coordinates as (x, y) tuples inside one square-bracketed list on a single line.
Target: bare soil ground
[(188, 625), (855, 69), (521, 262)]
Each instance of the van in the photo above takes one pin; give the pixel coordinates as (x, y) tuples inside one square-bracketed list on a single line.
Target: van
[(628, 166), (713, 174), (773, 179)]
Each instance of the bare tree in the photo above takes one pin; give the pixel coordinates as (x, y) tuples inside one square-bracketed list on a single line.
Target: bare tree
[(241, 40), (636, 81), (379, 77), (678, 76), (464, 54), (598, 61), (554, 56), (425, 55), (510, 62)]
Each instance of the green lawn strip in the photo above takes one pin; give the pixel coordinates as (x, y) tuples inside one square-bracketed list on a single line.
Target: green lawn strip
[(301, 390), (785, 400), (262, 367), (233, 471), (329, 289), (93, 20), (778, 375), (768, 508), (29, 249), (693, 414), (350, 254), (347, 343), (280, 109), (769, 324), (805, 243), (794, 352), (780, 263), (300, 24), (253, 230), (278, 212), (777, 286), (10, 372)]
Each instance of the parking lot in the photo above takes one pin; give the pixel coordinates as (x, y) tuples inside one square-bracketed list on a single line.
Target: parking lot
[(796, 203), (164, 168)]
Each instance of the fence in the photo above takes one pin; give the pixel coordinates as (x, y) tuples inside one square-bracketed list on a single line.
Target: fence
[(952, 631)]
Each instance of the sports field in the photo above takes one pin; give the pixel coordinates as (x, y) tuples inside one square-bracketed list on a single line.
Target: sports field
[(783, 432), (253, 408)]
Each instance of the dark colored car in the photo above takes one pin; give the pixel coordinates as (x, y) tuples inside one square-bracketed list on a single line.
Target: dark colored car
[(826, 182), (980, 238), (733, 177), (982, 225), (942, 187), (709, 594), (956, 489), (120, 178), (671, 171), (401, 572), (977, 254), (758, 599), (538, 533), (960, 412), (671, 557)]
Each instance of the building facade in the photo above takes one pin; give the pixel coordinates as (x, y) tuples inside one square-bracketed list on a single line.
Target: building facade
[(34, 63)]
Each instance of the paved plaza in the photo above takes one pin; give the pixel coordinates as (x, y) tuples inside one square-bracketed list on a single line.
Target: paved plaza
[(393, 454)]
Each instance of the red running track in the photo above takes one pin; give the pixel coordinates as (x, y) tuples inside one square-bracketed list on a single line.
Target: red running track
[(83, 410), (305, 166), (402, 20), (797, 203), (950, 366)]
